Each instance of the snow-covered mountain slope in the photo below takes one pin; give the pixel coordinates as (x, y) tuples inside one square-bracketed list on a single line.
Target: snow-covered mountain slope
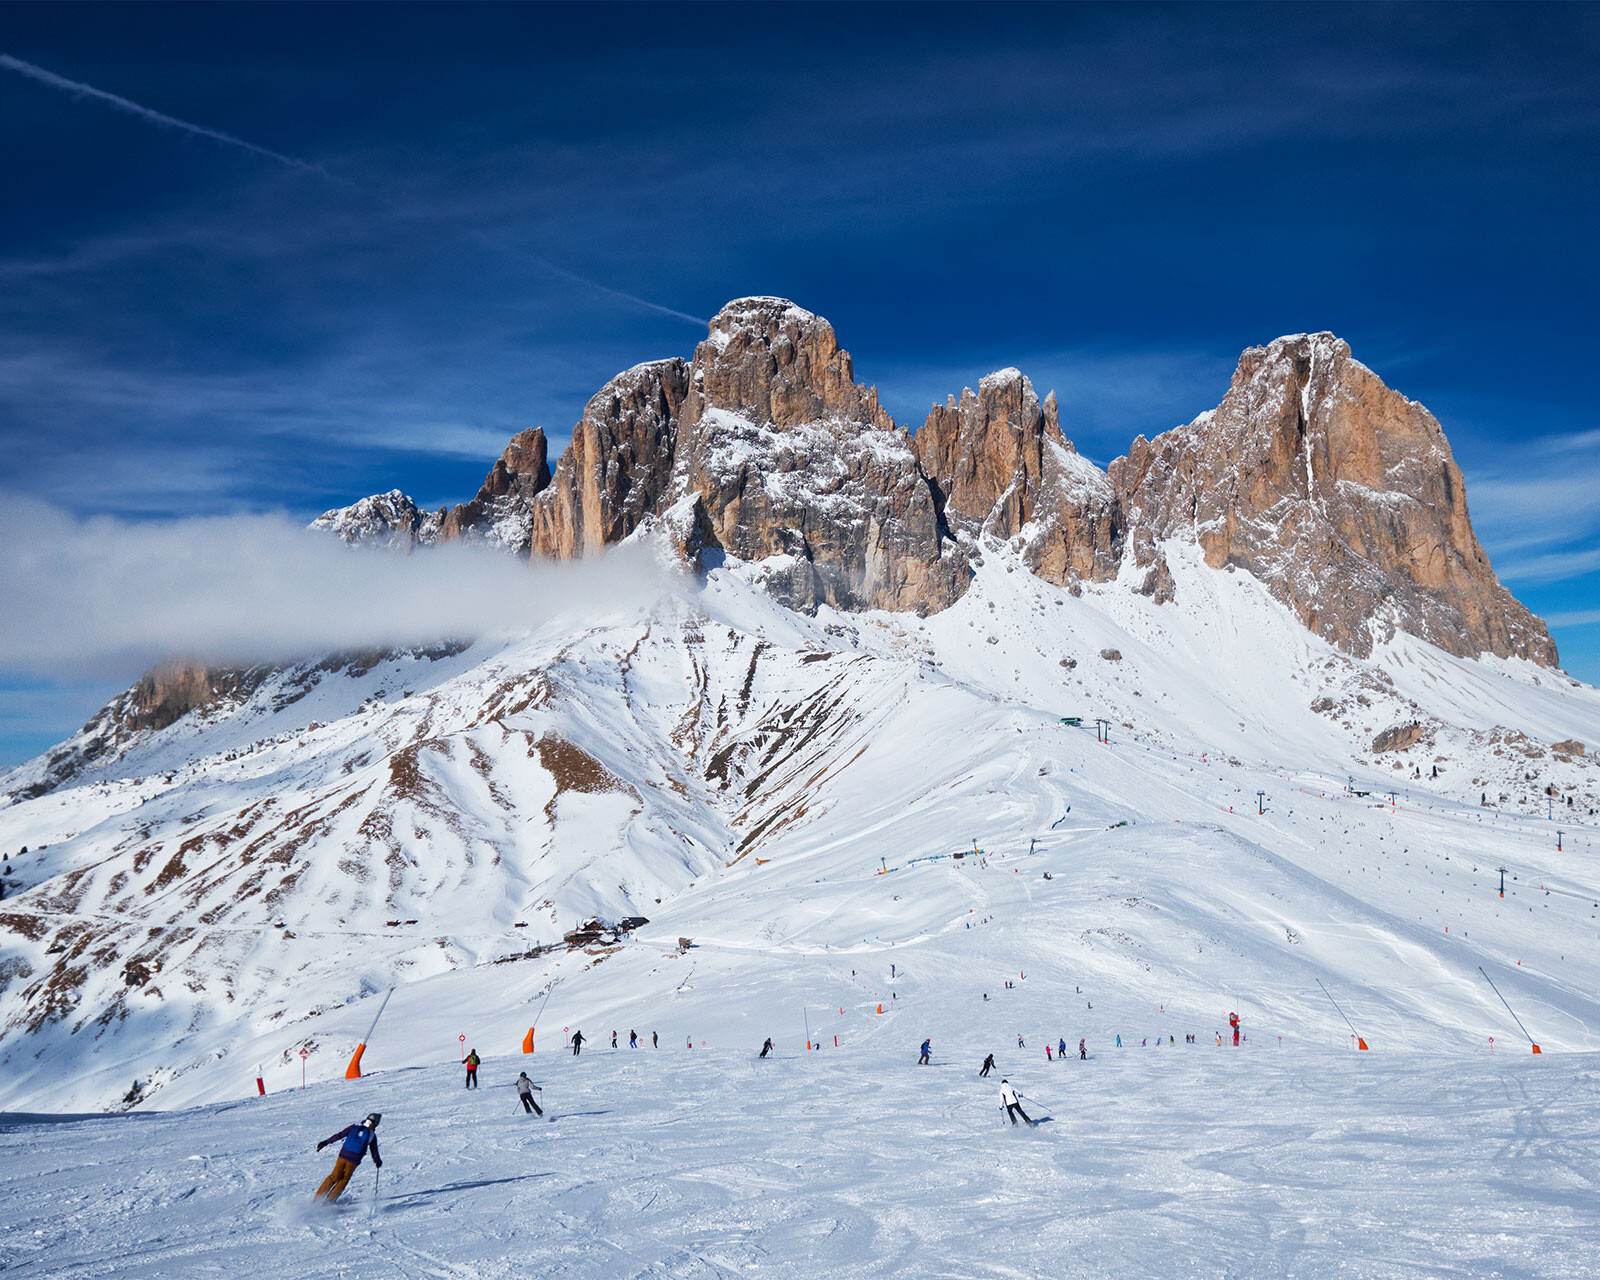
[(787, 792)]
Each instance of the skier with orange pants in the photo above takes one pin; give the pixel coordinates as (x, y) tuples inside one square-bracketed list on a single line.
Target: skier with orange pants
[(357, 1139)]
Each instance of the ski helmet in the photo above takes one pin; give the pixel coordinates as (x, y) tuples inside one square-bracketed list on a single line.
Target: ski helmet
[(372, 1120)]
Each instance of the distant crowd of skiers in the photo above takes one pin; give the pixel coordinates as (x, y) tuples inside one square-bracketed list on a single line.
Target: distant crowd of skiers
[(357, 1140)]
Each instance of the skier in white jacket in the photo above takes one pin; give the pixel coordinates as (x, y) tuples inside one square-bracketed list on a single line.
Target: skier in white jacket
[(1008, 1099)]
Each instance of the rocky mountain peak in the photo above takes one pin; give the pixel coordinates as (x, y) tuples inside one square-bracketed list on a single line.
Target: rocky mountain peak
[(1000, 467), (501, 512), (1338, 493), (619, 466), (385, 519), (795, 464), (769, 361)]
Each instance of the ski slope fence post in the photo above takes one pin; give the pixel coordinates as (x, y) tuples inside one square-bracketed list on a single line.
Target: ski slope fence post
[(261, 1086), (1510, 1010), (353, 1071)]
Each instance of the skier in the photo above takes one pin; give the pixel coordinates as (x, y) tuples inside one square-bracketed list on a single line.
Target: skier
[(525, 1088), (613, 1039), (654, 1044), (1061, 1049), (356, 1139), (988, 1065), (927, 1048), (633, 1039), (1083, 1050), (577, 1043), (472, 1069), (766, 1046), (1119, 1039), (1047, 1052), (1008, 1100), (1020, 1045)]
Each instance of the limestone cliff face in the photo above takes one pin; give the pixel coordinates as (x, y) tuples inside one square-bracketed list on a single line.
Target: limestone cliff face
[(1001, 467), (1336, 492), (172, 690), (502, 512), (618, 467), (791, 459), (1339, 494)]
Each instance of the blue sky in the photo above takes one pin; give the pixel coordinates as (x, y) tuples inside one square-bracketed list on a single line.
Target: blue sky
[(471, 217)]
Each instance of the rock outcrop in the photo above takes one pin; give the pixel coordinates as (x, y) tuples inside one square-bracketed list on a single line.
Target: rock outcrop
[(1399, 737), (798, 466), (503, 510), (1001, 467), (619, 466), (389, 520), (1339, 494)]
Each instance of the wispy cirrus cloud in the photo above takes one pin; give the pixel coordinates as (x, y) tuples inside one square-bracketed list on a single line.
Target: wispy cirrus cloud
[(1535, 506), (1575, 618), (117, 102)]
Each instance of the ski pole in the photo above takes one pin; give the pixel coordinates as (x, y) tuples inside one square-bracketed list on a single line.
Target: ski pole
[(377, 1174)]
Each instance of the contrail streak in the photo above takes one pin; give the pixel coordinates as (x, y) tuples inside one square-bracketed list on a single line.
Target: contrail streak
[(119, 103), (155, 117)]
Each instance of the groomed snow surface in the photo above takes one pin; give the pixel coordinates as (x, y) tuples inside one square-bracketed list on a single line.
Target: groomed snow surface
[(788, 793), (1187, 1161)]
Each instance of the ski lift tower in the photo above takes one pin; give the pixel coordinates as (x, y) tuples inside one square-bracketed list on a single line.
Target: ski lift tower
[(1502, 882), (1261, 802), (1102, 730)]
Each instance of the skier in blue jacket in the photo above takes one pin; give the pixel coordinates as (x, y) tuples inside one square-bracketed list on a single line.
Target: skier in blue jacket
[(927, 1048), (356, 1139)]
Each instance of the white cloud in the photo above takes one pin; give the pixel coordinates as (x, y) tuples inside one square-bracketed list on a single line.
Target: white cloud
[(108, 596), (1534, 507), (1576, 618)]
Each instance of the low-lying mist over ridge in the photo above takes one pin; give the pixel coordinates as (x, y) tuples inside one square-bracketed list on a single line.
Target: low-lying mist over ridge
[(100, 595)]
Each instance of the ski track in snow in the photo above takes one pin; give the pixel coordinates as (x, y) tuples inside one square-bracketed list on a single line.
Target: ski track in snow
[(756, 772), (1192, 1161)]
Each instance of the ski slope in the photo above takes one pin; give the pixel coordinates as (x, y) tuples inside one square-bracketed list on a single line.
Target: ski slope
[(234, 895), (1187, 1161)]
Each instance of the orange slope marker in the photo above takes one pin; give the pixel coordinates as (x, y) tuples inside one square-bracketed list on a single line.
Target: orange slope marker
[(353, 1071)]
